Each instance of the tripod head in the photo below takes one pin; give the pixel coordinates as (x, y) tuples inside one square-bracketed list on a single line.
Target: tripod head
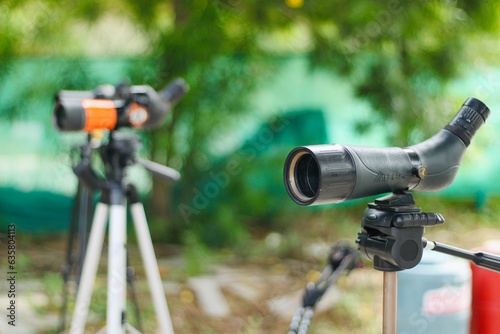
[(392, 230), (117, 154)]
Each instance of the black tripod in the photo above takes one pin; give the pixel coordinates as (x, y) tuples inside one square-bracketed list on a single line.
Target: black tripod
[(117, 154), (392, 236)]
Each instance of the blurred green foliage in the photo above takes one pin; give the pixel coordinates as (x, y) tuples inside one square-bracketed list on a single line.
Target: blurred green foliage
[(399, 56)]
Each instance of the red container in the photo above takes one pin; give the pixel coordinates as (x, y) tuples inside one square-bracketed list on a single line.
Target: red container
[(485, 316)]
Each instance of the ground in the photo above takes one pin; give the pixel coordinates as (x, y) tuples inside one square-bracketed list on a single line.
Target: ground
[(260, 297), (257, 293)]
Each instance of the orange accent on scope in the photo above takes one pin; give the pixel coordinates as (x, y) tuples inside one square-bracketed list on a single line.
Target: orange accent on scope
[(137, 115), (99, 114)]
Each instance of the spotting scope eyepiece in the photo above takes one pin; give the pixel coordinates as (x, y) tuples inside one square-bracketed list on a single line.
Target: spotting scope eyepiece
[(322, 174)]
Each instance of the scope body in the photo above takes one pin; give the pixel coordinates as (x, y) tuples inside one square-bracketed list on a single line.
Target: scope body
[(110, 108), (321, 174)]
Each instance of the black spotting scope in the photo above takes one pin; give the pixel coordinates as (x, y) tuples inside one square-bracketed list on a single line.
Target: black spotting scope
[(321, 174)]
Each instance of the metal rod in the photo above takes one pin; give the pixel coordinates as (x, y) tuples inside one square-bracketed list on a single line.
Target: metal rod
[(390, 301), (481, 259)]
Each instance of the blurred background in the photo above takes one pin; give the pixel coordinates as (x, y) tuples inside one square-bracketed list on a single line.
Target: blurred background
[(265, 77)]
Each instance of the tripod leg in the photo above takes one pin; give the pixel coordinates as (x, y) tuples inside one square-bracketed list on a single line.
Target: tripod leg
[(86, 210), (117, 264), (133, 294), (90, 264), (390, 301), (150, 265), (67, 268)]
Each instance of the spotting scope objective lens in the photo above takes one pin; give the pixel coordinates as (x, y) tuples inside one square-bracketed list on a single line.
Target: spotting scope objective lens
[(308, 167), (306, 174)]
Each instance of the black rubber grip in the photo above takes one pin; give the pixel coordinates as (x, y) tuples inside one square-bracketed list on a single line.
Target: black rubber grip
[(468, 120)]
